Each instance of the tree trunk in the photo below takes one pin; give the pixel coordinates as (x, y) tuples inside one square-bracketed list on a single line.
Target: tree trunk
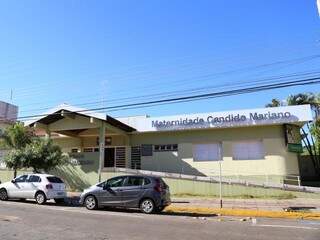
[(313, 157), (15, 173)]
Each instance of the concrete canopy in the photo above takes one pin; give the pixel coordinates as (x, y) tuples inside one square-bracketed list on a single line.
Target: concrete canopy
[(72, 121)]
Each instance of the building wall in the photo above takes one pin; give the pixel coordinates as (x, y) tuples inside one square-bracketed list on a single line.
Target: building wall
[(68, 143), (277, 160)]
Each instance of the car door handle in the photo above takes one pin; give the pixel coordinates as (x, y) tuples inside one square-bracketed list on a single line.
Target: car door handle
[(119, 190)]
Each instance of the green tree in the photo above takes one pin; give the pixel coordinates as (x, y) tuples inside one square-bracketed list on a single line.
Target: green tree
[(274, 103), (15, 138), (14, 160), (310, 135), (305, 98), (43, 155), (26, 150)]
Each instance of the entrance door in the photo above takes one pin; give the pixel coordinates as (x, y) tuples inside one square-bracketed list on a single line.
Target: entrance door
[(109, 157)]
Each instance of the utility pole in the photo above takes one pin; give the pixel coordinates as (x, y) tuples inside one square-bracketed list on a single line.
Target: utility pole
[(220, 182)]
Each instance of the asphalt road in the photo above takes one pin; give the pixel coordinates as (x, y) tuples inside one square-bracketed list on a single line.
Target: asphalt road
[(26, 220)]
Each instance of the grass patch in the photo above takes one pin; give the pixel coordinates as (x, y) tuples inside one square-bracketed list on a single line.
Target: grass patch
[(284, 196)]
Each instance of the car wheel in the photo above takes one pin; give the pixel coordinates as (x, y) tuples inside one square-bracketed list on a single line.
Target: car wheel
[(3, 194), (91, 202), (41, 198), (147, 206), (59, 200)]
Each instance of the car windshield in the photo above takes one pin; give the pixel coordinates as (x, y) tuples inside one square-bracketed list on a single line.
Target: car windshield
[(54, 180)]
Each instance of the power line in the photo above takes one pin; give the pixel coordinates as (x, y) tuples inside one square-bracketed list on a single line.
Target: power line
[(308, 81), (273, 79), (183, 81)]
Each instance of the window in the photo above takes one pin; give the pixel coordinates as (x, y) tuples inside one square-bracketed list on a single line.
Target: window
[(134, 181), (34, 179), (166, 148), (74, 150), (207, 152), (88, 150), (21, 179), (146, 150), (146, 181), (54, 180), (115, 182), (248, 150)]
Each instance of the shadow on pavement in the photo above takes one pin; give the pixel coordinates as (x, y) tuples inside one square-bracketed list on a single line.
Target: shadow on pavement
[(301, 208), (69, 202), (74, 202), (180, 202), (185, 214)]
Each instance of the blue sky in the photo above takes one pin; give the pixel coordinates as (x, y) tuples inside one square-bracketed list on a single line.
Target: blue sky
[(98, 53)]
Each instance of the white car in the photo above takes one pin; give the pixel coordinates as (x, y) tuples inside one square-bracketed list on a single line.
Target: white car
[(40, 187)]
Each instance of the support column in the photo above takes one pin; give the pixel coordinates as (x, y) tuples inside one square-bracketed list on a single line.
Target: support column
[(102, 137), (128, 151), (48, 134)]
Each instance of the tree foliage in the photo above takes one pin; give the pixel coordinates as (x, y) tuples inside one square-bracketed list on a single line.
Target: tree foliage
[(274, 103), (29, 151), (14, 160), (311, 132), (17, 136), (42, 154)]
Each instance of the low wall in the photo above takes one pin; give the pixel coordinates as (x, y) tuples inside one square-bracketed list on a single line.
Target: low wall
[(201, 188), (77, 180)]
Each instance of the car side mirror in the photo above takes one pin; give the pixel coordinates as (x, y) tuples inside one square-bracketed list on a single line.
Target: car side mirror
[(106, 187), (13, 181)]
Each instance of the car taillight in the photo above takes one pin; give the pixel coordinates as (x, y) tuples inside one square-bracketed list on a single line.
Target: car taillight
[(49, 186), (158, 187)]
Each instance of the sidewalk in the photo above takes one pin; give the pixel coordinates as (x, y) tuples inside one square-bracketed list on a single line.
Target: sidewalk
[(297, 208), (254, 204)]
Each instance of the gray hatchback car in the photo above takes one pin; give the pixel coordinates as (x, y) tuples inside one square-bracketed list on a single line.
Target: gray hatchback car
[(150, 194)]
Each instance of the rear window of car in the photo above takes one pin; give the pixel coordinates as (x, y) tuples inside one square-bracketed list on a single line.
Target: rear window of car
[(146, 181), (163, 184), (54, 180), (134, 181)]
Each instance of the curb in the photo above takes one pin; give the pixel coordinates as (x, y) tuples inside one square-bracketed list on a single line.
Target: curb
[(243, 212)]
